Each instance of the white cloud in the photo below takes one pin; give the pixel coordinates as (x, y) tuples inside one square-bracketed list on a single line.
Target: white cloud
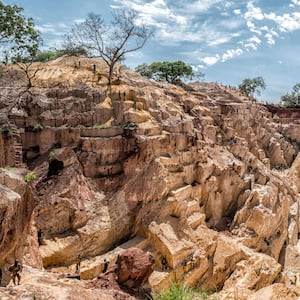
[(211, 60), (296, 2), (269, 35), (252, 43), (154, 11), (57, 29), (270, 39), (78, 21), (240, 26), (202, 5), (231, 53), (287, 22), (220, 40), (253, 12), (252, 27)]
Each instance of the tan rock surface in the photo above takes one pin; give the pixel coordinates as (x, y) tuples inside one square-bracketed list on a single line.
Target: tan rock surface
[(208, 182)]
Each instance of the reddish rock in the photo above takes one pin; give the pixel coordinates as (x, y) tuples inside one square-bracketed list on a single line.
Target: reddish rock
[(134, 267)]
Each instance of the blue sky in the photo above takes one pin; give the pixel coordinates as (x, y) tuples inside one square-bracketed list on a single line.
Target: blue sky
[(227, 40)]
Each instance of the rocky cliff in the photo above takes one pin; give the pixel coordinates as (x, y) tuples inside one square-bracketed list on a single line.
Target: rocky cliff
[(202, 177)]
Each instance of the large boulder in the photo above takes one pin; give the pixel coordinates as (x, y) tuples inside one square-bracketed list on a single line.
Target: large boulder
[(134, 267)]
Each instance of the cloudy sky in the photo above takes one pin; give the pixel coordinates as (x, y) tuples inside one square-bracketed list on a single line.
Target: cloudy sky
[(227, 40)]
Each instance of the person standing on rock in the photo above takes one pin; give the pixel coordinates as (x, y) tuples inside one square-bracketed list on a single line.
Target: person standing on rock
[(78, 261), (106, 263), (164, 263), (40, 236), (15, 271)]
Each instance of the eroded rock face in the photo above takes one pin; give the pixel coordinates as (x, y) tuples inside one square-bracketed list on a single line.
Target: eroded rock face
[(208, 181), (18, 239)]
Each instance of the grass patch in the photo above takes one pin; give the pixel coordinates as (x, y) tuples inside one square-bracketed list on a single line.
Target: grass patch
[(9, 168), (102, 126), (180, 291), (105, 126)]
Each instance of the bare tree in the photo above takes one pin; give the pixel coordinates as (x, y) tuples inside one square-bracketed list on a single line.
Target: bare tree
[(26, 68), (110, 42)]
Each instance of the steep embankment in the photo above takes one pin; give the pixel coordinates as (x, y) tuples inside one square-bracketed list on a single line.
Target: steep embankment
[(207, 181)]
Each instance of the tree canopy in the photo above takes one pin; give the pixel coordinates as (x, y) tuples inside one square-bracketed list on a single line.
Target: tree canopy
[(250, 86), (292, 99), (111, 42), (18, 36), (47, 55), (167, 71)]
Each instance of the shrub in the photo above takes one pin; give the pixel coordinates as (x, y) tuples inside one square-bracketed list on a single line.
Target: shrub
[(38, 128), (7, 131), (30, 177), (52, 154)]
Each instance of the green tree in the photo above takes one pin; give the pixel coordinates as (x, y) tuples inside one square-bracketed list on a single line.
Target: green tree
[(111, 42), (250, 86), (19, 42), (168, 71), (292, 99), (48, 55), (17, 33)]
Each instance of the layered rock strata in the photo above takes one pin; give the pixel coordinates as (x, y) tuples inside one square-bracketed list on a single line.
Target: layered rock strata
[(207, 182)]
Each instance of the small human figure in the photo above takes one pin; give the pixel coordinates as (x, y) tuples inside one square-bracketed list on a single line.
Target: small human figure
[(0, 276), (15, 271), (184, 263), (40, 236), (106, 263), (94, 69), (164, 263), (78, 261)]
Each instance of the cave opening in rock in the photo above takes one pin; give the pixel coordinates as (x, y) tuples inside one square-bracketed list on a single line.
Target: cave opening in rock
[(225, 222), (54, 167)]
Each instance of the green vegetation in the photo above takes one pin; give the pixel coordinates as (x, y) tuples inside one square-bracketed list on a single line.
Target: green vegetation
[(38, 127), (52, 154), (181, 292), (111, 42), (19, 41), (7, 131), (102, 126), (250, 86), (9, 168), (292, 99), (168, 71), (47, 55), (1, 71), (30, 177), (18, 36)]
